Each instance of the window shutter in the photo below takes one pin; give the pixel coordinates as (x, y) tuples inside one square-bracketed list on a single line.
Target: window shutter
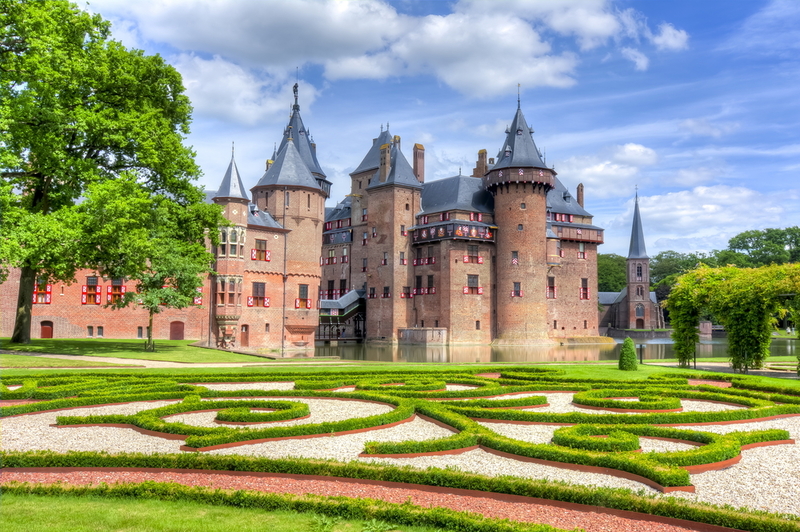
[(253, 254), (466, 258), (308, 303), (432, 290), (48, 294), (266, 301), (297, 303), (466, 289), (83, 294), (480, 259), (108, 294), (249, 301), (480, 290), (267, 256)]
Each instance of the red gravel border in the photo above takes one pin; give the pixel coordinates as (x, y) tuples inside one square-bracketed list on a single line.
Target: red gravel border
[(496, 505)]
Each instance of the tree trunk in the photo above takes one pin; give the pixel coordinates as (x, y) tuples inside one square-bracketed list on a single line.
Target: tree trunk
[(22, 323), (150, 345)]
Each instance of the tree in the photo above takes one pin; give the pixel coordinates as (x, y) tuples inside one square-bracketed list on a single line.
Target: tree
[(627, 356), (744, 300), (611, 275), (769, 246), (76, 109), (164, 251)]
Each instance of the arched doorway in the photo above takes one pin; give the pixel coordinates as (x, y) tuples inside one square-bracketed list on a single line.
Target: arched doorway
[(640, 323), (245, 336), (47, 329), (176, 330)]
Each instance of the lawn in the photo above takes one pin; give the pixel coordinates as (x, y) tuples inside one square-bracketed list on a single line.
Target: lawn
[(36, 513), (166, 350), (25, 361)]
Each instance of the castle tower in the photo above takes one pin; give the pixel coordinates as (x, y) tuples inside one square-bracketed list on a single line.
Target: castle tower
[(519, 182), (293, 192), (230, 257), (639, 307)]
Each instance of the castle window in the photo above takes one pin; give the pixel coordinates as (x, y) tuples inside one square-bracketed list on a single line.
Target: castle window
[(372, 292), (478, 325), (640, 311), (444, 216), (266, 328), (638, 272), (302, 291), (345, 258), (406, 294), (89, 331), (364, 264), (42, 291), (91, 291), (403, 231), (308, 197), (117, 290), (343, 286), (363, 215), (473, 285), (386, 293), (551, 288), (407, 207), (430, 281), (260, 252), (286, 198), (581, 250), (385, 260), (517, 292), (522, 206), (515, 257), (519, 227), (584, 289), (585, 324), (139, 332), (555, 324), (99, 331), (259, 295)]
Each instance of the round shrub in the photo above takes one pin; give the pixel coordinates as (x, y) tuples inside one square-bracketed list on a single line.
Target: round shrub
[(627, 356)]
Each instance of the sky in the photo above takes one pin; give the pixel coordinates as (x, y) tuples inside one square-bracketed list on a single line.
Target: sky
[(694, 104)]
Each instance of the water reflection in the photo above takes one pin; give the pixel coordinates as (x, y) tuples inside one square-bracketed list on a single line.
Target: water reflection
[(651, 349)]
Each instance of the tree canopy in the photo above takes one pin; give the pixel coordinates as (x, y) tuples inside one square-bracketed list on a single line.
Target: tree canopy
[(744, 300), (611, 275), (79, 109)]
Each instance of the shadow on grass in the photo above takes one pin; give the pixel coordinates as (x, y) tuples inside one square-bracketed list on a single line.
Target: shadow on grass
[(94, 347)]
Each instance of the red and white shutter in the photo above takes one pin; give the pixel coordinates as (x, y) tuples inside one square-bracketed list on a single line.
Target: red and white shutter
[(266, 302), (98, 294), (48, 294), (249, 301), (308, 303), (267, 256), (466, 289), (84, 294), (480, 290), (108, 294), (253, 254)]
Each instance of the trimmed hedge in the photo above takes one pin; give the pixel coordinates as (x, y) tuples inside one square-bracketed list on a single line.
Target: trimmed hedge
[(627, 356), (620, 499)]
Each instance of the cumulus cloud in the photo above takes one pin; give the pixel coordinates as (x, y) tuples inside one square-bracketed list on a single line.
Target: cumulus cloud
[(670, 38), (226, 91), (620, 165), (639, 60)]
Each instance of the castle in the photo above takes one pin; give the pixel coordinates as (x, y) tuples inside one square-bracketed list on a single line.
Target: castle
[(506, 255)]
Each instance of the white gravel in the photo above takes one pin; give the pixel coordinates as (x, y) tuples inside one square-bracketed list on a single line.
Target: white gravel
[(765, 479)]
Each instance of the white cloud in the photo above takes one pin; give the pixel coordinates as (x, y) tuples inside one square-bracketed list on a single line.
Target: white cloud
[(694, 176), (704, 128), (670, 38), (635, 155), (773, 30), (640, 61), (228, 92)]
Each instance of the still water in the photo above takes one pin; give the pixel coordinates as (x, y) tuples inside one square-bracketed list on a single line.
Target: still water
[(652, 349)]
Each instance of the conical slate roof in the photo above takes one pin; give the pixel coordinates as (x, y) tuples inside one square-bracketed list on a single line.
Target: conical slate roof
[(232, 186), (519, 150), (288, 169), (300, 137), (401, 172), (372, 159), (637, 249)]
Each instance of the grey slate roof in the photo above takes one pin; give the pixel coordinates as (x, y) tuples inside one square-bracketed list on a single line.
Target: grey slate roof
[(288, 169), (261, 218), (341, 211), (610, 298), (401, 172), (232, 186), (519, 150), (300, 137), (372, 159), (458, 193), (637, 249), (343, 302), (559, 199)]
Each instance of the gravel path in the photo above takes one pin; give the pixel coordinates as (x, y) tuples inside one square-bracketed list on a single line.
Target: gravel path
[(489, 507), (765, 479)]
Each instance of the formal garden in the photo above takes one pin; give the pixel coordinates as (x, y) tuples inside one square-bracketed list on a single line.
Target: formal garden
[(445, 448)]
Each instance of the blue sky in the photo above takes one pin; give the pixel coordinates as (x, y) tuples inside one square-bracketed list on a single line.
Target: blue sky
[(695, 102)]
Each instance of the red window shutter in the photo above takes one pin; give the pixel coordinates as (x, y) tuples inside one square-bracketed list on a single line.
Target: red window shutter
[(334, 260), (297, 303), (253, 254), (266, 301), (268, 256), (108, 294), (432, 290), (480, 290), (466, 258), (48, 294), (471, 217), (480, 260), (402, 295), (322, 261), (83, 294), (249, 301), (466, 289), (308, 303), (431, 260)]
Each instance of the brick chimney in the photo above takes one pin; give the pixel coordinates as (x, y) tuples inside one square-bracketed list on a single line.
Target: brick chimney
[(480, 165), (386, 162), (419, 162), (580, 194)]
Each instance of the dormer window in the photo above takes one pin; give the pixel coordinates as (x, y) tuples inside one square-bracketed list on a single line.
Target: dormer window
[(567, 197), (519, 131)]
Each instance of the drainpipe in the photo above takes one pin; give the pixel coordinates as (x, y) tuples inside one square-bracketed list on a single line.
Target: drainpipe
[(283, 306)]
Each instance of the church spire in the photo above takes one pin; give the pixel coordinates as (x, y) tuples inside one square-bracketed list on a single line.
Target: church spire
[(232, 186), (637, 249)]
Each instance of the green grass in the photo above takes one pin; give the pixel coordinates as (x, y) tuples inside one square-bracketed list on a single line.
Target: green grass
[(166, 350), (25, 361), (36, 513)]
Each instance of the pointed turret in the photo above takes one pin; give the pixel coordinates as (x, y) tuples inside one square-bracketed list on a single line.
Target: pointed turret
[(231, 186), (371, 160), (395, 168), (519, 150), (637, 249), (288, 169), (299, 135)]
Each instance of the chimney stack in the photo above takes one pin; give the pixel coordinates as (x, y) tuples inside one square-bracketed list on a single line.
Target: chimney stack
[(580, 194), (480, 166), (419, 162), (386, 162)]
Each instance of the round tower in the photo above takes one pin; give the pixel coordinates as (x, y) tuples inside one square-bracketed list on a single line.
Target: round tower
[(519, 182)]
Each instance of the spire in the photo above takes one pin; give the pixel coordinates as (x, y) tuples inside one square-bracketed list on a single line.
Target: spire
[(288, 169), (296, 133), (637, 249), (519, 149), (371, 160), (232, 186)]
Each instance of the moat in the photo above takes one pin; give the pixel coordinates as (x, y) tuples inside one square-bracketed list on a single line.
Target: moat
[(652, 350)]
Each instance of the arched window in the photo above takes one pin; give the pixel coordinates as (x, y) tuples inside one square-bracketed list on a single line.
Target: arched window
[(639, 272), (640, 311)]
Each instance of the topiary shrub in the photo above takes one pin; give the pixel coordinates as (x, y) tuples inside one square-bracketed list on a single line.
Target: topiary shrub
[(627, 356)]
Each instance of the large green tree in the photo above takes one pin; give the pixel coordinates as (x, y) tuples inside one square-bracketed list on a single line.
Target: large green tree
[(611, 275), (744, 300), (77, 108), (768, 246)]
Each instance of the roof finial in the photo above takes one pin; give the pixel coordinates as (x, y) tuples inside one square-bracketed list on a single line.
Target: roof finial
[(518, 103), (294, 89), (381, 127), (233, 149), (637, 193), (387, 126)]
